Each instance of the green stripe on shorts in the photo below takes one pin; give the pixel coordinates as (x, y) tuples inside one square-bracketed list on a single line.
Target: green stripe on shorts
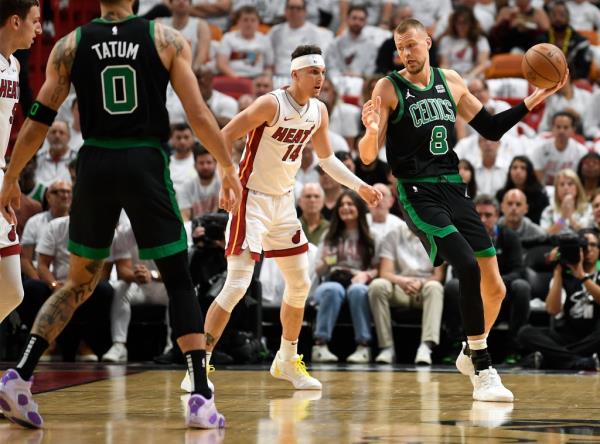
[(488, 252), (88, 252)]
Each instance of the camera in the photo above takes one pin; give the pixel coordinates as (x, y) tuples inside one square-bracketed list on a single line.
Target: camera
[(214, 227), (570, 247)]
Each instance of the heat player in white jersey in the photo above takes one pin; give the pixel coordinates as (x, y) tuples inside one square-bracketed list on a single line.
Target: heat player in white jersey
[(277, 127), (19, 24)]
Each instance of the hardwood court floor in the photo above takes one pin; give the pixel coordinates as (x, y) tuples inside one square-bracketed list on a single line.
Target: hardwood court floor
[(360, 407)]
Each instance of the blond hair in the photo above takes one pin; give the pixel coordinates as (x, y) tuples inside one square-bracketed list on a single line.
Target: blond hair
[(581, 200), (408, 24)]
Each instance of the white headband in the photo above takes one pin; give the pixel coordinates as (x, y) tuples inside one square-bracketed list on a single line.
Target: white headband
[(306, 61)]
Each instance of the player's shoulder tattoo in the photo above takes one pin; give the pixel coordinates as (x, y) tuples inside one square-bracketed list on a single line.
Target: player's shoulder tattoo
[(167, 37), (64, 53)]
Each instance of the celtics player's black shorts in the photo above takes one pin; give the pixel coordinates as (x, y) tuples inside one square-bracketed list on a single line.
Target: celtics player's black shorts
[(124, 174), (434, 207)]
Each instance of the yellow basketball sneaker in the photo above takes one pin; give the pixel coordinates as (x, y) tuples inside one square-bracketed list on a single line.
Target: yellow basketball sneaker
[(186, 384), (294, 371)]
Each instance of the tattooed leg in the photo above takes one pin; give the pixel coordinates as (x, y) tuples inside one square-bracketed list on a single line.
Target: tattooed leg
[(215, 323), (56, 312)]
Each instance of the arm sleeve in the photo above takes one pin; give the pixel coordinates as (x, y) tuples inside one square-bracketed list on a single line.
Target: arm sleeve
[(494, 127), (340, 173)]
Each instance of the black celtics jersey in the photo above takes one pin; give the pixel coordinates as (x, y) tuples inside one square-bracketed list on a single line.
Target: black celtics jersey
[(120, 81), (420, 135)]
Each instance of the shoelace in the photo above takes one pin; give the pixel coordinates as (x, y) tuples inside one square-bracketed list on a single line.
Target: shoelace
[(489, 378), (300, 366)]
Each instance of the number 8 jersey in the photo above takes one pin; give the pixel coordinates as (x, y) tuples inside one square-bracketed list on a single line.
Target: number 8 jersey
[(273, 151), (120, 81), (420, 135)]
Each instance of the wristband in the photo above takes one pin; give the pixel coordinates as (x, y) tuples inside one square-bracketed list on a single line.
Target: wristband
[(41, 113)]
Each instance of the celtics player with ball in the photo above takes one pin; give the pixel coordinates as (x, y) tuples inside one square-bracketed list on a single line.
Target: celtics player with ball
[(412, 112)]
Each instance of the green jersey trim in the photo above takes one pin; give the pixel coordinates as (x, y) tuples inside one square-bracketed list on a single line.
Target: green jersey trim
[(113, 22), (400, 108), (152, 30), (77, 35), (444, 178), (415, 87), (443, 77), (488, 252), (88, 252), (119, 144)]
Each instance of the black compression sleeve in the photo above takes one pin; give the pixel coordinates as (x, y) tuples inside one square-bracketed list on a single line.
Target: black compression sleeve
[(494, 127)]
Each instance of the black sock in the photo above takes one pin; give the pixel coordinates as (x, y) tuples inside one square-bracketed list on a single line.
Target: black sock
[(467, 350), (481, 360), (196, 362), (36, 346)]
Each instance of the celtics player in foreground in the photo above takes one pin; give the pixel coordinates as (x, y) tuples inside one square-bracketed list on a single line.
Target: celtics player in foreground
[(120, 66), (413, 113)]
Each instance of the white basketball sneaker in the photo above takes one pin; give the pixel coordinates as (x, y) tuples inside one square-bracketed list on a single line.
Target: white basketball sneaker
[(186, 383), (464, 363), (487, 386), (294, 371)]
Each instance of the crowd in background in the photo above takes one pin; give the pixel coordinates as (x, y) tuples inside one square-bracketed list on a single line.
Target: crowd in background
[(538, 182)]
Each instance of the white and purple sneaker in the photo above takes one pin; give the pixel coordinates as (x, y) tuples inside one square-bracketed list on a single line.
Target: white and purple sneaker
[(203, 414), (16, 401)]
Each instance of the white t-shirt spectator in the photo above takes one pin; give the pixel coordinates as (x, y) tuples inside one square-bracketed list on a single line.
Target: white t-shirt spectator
[(351, 54), (579, 103), (550, 217), (189, 31), (591, 120), (285, 39), (199, 198), (181, 170), (222, 105), (461, 55), (48, 171), (429, 12), (35, 227), (54, 243), (381, 229), (273, 11), (583, 16), (248, 58), (147, 5), (344, 119), (405, 249), (338, 143), (547, 158)]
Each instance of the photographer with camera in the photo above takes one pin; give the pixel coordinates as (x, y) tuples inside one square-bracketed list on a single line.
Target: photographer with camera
[(573, 340)]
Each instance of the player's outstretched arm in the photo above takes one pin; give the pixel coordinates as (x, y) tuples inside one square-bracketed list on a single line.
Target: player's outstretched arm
[(375, 114), (31, 136), (175, 52), (492, 127), (334, 166)]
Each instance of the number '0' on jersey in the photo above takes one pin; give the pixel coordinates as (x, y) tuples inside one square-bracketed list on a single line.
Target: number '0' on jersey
[(273, 153)]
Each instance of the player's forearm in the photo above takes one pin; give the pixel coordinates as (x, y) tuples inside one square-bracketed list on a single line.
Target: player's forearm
[(30, 138), (368, 147)]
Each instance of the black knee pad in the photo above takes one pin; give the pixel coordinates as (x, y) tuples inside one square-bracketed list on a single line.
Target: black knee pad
[(186, 316)]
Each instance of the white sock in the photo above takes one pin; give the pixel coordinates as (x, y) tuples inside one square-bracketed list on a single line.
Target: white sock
[(477, 344), (208, 355), (288, 349)]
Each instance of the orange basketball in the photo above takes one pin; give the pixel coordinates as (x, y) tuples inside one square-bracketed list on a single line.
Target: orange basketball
[(544, 65)]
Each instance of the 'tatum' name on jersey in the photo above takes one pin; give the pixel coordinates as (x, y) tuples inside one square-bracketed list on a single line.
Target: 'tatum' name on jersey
[(116, 48), (430, 110)]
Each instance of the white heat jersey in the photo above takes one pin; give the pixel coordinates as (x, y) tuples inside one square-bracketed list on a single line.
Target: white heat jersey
[(9, 97), (273, 153)]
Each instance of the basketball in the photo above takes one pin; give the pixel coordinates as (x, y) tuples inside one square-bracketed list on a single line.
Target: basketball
[(544, 65)]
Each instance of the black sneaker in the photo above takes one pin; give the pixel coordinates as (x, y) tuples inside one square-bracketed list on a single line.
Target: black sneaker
[(172, 356)]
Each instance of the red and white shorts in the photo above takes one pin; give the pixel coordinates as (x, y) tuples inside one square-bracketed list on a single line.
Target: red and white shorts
[(9, 239), (266, 222)]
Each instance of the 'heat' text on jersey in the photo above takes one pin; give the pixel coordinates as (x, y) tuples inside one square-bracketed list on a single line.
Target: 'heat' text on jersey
[(430, 110), (291, 135), (9, 89)]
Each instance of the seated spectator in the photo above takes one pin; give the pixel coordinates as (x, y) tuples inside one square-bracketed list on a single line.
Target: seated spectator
[(514, 209), (28, 183), (311, 203), (332, 190), (215, 12), (139, 283), (379, 12), (345, 262), (76, 138), (379, 218), (344, 118), (52, 164), (595, 203), (588, 171), (484, 11), (295, 31), (351, 53), (307, 172), (430, 12), (570, 209), (195, 30), (91, 320), (591, 120), (569, 98), (463, 47), (200, 194), (245, 52), (467, 173), (559, 152), (515, 305), (375, 172), (29, 206), (522, 176), (517, 27), (407, 280), (491, 172), (181, 165), (58, 196), (221, 105), (573, 339), (575, 47), (263, 84), (584, 15)]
